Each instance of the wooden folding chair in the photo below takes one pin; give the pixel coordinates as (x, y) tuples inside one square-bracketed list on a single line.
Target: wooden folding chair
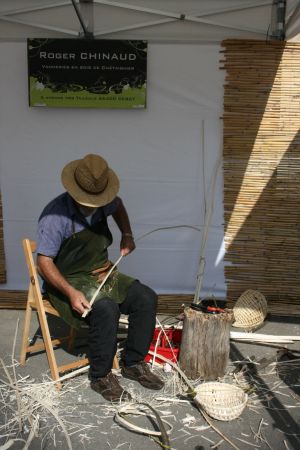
[(42, 306)]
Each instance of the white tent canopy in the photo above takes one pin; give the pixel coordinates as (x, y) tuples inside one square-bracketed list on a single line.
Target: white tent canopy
[(164, 155), (171, 20)]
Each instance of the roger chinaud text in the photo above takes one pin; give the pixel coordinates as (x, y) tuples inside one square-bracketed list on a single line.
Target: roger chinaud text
[(88, 56)]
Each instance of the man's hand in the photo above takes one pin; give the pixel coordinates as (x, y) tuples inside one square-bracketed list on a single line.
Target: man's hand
[(78, 302), (127, 245), (50, 272)]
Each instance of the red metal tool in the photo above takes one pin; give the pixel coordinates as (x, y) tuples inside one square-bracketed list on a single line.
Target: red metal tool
[(215, 309)]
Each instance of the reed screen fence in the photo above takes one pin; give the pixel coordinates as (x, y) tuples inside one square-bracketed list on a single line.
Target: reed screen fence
[(261, 157)]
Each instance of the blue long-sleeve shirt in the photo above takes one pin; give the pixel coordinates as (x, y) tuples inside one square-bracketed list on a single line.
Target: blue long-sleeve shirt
[(61, 218)]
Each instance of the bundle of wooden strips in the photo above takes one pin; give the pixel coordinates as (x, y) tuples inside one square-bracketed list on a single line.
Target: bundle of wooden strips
[(261, 171)]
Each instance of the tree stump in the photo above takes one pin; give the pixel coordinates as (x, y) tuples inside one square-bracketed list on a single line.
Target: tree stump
[(205, 346)]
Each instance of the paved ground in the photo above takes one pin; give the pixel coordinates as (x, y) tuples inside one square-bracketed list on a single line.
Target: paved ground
[(270, 420)]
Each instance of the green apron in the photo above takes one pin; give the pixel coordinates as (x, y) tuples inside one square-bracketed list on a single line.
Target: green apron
[(79, 255)]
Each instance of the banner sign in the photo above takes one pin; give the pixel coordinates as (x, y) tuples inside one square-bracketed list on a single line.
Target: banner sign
[(87, 73)]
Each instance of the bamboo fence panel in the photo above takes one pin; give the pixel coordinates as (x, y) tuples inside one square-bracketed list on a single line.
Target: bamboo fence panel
[(2, 254), (168, 304), (261, 158), (13, 299)]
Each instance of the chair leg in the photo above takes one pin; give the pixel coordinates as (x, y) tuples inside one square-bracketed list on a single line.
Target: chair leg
[(25, 338), (49, 347)]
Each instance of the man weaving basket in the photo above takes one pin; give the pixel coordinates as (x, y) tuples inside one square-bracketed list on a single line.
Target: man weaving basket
[(72, 245)]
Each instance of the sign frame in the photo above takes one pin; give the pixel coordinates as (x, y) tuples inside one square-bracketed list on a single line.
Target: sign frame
[(87, 73)]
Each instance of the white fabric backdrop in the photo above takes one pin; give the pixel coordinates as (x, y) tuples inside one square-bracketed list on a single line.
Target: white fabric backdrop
[(164, 157)]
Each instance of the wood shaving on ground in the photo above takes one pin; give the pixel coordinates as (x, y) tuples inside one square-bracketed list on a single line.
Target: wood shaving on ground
[(37, 410), (31, 409)]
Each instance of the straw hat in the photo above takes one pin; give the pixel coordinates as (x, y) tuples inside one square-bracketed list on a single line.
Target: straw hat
[(90, 181)]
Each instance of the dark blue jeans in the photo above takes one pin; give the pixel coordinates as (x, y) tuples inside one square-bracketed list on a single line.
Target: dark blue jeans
[(140, 306)]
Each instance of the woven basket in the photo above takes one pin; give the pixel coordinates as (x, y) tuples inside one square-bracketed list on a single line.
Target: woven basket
[(250, 309), (221, 401)]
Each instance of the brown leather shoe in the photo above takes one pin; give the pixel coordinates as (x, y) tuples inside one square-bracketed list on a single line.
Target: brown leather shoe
[(141, 372), (110, 388)]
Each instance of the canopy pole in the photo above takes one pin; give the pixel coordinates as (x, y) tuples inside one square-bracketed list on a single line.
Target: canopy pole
[(280, 25), (86, 32), (87, 9)]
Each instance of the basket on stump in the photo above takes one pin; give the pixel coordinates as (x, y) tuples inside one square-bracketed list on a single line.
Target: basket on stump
[(250, 310), (221, 401)]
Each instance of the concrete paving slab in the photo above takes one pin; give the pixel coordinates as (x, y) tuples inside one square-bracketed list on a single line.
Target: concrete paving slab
[(271, 419)]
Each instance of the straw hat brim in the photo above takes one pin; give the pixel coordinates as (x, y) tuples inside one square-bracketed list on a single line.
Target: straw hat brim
[(83, 197)]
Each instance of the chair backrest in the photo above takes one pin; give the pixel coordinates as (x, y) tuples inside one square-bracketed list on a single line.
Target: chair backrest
[(34, 291)]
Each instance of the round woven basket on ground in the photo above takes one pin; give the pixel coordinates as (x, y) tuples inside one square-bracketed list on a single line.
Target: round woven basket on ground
[(221, 401), (250, 310)]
